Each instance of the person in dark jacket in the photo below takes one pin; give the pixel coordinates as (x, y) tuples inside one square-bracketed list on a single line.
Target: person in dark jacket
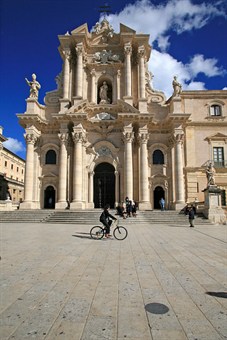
[(105, 218), (191, 217)]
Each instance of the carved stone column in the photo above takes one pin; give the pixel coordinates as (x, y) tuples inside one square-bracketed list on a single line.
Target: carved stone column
[(117, 199), (141, 56), (128, 71), (62, 180), (93, 86), (79, 71), (29, 172), (118, 84), (144, 183), (67, 55), (91, 190), (78, 138), (128, 135), (179, 174)]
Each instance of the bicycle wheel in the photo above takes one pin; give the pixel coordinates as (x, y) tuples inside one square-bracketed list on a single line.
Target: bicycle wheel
[(120, 233), (97, 232)]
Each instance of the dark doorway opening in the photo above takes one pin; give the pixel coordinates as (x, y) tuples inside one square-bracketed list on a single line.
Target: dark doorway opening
[(49, 198), (104, 185), (158, 194)]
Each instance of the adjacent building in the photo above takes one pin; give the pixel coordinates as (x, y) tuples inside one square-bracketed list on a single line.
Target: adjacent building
[(12, 171), (105, 133)]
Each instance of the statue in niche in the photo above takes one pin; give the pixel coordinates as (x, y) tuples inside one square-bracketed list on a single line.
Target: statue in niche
[(34, 87), (103, 94), (210, 173), (177, 87)]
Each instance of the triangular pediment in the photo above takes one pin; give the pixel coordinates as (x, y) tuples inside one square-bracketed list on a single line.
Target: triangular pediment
[(126, 29), (49, 175), (81, 29), (92, 110), (216, 136)]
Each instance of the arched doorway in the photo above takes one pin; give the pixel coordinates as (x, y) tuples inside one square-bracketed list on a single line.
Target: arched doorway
[(49, 198), (158, 194), (104, 185)]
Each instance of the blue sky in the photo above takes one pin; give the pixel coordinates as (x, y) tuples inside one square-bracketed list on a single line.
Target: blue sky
[(188, 39)]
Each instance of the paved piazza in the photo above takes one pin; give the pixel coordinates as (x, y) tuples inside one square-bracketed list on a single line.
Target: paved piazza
[(160, 283)]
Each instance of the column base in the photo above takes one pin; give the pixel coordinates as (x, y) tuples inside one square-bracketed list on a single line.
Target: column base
[(64, 105), (77, 205), (144, 205), (128, 100), (142, 105), (77, 100), (28, 205), (90, 205), (179, 205), (61, 205)]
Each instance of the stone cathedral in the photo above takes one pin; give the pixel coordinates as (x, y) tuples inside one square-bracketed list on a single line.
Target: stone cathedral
[(105, 133)]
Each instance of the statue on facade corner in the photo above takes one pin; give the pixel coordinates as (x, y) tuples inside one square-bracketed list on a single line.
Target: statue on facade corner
[(210, 173), (177, 87), (34, 86)]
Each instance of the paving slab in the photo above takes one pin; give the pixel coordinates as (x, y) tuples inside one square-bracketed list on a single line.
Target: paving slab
[(161, 283)]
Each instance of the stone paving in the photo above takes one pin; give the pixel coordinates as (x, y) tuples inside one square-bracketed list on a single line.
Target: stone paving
[(161, 283)]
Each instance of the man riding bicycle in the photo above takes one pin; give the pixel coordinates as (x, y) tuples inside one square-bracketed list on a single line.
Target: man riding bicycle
[(105, 218)]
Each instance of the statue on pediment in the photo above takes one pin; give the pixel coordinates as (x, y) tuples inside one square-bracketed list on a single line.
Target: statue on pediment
[(34, 87), (210, 173), (177, 87)]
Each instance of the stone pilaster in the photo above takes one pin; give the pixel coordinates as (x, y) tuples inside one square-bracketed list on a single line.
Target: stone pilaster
[(179, 174), (128, 137), (62, 180), (117, 200), (142, 101), (144, 183), (128, 73), (78, 138), (79, 71), (29, 172), (91, 190), (118, 85), (93, 86)]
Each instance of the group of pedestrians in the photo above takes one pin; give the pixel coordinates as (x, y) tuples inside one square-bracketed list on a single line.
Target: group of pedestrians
[(127, 208)]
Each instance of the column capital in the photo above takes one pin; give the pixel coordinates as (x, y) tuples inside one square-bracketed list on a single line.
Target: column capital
[(179, 138), (128, 49), (63, 136), (128, 136), (93, 72), (30, 138), (79, 49), (118, 73), (143, 137), (141, 51), (67, 54)]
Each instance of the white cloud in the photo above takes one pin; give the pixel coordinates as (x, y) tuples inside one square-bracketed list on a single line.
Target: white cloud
[(159, 21), (14, 145), (198, 64), (175, 15), (224, 88)]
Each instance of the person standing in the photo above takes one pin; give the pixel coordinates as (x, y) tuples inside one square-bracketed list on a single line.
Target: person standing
[(162, 204), (191, 217)]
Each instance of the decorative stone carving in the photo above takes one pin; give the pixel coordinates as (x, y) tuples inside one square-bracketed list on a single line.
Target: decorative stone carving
[(30, 138), (143, 137), (34, 87), (128, 136), (63, 138), (128, 49), (105, 28), (106, 57), (103, 116), (104, 151), (177, 87)]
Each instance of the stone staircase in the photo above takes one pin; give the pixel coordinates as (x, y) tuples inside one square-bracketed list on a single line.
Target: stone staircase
[(91, 217)]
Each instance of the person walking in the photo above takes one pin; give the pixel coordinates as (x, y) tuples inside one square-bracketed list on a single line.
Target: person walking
[(191, 217)]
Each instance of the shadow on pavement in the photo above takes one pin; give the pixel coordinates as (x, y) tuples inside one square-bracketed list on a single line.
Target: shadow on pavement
[(156, 308), (218, 294)]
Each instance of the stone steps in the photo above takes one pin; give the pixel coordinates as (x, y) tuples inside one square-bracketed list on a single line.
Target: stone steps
[(91, 217)]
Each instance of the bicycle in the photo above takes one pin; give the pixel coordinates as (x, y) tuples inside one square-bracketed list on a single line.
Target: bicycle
[(120, 233)]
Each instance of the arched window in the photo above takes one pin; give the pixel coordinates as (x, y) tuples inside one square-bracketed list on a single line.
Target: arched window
[(50, 157), (158, 157), (215, 110)]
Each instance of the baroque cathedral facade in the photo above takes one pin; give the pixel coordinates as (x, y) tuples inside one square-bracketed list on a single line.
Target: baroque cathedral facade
[(105, 133)]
